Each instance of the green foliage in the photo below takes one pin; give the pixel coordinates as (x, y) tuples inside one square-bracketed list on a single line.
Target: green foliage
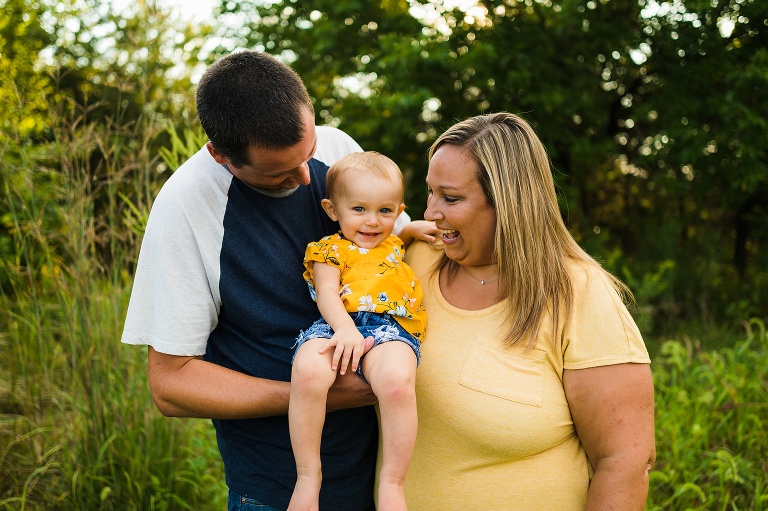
[(114, 77), (651, 112), (79, 137), (182, 146), (78, 429), (712, 425), (648, 289), (21, 39), (134, 216)]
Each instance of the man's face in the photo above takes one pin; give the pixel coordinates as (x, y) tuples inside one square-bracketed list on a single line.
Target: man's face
[(276, 169)]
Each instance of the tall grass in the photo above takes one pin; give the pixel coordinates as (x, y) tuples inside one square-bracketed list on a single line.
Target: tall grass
[(712, 425), (78, 429)]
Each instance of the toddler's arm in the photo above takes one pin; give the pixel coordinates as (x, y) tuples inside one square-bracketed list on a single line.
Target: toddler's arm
[(348, 340), (418, 230)]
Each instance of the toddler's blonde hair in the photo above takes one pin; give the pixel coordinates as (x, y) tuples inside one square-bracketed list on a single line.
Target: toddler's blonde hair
[(367, 163)]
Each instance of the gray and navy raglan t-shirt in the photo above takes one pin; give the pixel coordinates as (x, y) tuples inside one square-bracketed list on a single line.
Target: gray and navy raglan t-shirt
[(220, 275)]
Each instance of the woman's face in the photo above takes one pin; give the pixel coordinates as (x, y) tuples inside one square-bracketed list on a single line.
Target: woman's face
[(457, 205)]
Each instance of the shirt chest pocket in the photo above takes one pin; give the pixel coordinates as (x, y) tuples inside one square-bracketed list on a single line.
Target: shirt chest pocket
[(508, 373)]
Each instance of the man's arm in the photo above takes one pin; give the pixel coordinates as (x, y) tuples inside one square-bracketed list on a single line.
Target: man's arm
[(192, 387)]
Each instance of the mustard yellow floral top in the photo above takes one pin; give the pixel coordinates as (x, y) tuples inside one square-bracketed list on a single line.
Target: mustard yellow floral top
[(372, 280)]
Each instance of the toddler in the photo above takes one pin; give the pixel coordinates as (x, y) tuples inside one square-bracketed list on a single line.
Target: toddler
[(363, 289)]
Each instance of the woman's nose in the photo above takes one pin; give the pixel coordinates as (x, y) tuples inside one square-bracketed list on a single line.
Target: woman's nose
[(431, 213)]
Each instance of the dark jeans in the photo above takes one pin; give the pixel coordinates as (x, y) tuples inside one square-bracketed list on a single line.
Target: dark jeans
[(238, 503)]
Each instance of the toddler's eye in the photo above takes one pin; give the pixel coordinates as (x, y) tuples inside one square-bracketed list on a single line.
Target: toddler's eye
[(384, 211), (358, 209)]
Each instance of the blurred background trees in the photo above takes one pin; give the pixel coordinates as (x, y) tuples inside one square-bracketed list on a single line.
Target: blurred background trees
[(654, 112)]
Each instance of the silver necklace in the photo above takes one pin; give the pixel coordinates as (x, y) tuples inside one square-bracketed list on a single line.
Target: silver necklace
[(481, 281)]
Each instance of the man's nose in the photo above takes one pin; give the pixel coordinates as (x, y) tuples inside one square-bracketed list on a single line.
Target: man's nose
[(303, 173)]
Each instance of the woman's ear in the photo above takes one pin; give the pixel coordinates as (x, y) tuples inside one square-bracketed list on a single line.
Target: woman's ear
[(329, 209)]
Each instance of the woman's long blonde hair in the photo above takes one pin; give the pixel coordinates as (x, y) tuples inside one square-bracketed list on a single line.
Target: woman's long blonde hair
[(534, 251)]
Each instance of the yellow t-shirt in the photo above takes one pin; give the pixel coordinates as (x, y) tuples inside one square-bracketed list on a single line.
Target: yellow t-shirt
[(495, 431), (372, 280)]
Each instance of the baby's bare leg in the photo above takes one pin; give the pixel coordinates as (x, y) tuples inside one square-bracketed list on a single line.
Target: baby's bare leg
[(391, 370), (311, 377)]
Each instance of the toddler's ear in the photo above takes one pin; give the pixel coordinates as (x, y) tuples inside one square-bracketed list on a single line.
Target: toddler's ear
[(401, 209), (329, 209)]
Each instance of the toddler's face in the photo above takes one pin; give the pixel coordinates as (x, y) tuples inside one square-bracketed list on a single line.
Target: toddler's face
[(367, 209)]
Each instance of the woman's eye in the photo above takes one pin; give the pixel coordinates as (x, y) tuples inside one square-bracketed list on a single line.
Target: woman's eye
[(451, 200), (429, 191)]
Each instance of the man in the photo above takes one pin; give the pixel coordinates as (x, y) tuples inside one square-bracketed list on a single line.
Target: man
[(219, 297)]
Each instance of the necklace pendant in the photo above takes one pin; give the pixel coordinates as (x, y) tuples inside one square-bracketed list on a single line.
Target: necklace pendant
[(482, 282)]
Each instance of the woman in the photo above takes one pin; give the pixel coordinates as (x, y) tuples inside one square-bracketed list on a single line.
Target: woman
[(535, 390)]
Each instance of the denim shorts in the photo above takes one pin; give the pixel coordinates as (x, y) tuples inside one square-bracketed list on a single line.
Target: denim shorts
[(382, 327), (236, 502)]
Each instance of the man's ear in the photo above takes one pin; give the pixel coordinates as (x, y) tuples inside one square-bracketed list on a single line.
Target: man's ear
[(215, 154), (329, 209)]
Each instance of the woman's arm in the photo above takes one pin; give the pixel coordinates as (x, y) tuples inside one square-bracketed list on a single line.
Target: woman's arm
[(612, 410)]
